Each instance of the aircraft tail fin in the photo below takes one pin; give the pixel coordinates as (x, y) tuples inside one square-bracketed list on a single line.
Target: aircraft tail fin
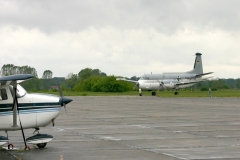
[(198, 68)]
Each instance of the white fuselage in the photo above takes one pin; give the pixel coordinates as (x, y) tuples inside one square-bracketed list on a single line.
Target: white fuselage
[(167, 81), (35, 110), (155, 84)]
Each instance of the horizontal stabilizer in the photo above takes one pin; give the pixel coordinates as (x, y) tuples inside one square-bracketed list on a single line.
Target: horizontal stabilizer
[(200, 75)]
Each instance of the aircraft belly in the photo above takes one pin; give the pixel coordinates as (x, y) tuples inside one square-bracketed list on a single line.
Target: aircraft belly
[(30, 118), (25, 120), (45, 118)]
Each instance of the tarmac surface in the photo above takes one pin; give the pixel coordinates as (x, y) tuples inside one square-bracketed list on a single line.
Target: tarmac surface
[(106, 128)]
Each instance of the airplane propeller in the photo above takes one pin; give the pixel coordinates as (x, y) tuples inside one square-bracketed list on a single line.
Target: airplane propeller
[(63, 99), (161, 84), (137, 84)]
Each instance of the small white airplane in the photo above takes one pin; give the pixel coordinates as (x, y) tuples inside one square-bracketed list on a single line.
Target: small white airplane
[(20, 110), (175, 80)]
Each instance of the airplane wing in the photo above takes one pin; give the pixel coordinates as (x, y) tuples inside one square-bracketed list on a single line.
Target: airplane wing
[(124, 79), (14, 80), (185, 83), (18, 78)]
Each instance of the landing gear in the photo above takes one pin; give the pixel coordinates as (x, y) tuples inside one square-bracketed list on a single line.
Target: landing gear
[(3, 140), (40, 140), (153, 93), (176, 92), (140, 92), (10, 146), (36, 130), (41, 145)]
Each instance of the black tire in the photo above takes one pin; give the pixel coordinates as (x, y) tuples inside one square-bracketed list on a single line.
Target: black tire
[(41, 145), (176, 93)]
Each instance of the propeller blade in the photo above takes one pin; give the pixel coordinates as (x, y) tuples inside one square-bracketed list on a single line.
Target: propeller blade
[(62, 98), (59, 89), (137, 84), (65, 108), (161, 84)]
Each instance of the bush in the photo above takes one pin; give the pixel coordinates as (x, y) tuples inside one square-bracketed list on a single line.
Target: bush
[(103, 84), (204, 89)]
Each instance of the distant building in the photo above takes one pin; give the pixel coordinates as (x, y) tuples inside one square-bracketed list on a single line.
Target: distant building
[(54, 87)]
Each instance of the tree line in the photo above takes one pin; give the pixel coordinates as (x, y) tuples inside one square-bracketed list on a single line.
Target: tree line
[(94, 80), (86, 80)]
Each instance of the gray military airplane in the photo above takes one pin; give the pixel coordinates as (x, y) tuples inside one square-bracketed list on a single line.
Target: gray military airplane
[(175, 80)]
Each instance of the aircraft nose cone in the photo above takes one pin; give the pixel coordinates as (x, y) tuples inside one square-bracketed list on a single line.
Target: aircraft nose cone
[(65, 100)]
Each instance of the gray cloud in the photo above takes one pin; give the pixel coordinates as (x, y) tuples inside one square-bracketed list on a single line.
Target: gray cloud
[(165, 16), (121, 37)]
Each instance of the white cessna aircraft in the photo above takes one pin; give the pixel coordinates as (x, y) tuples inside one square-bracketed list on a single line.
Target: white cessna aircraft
[(176, 80), (20, 110)]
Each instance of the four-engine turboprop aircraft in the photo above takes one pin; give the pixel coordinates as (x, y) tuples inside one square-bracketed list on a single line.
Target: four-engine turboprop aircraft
[(154, 82), (20, 110)]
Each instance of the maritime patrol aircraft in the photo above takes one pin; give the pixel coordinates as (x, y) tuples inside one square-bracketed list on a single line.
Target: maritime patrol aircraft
[(176, 80), (20, 110)]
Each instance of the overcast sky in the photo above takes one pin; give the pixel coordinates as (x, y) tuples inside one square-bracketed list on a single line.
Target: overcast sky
[(121, 37)]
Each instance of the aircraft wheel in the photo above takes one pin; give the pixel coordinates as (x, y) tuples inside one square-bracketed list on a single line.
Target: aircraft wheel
[(41, 145), (10, 146), (140, 94), (27, 148), (153, 93)]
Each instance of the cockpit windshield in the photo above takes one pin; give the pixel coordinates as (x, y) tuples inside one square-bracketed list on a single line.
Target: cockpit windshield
[(21, 92), (144, 77)]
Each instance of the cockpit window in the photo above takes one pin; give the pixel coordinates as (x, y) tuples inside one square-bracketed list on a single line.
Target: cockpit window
[(144, 78), (21, 92), (3, 94)]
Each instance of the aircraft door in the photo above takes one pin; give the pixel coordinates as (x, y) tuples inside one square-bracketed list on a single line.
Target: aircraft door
[(26, 107)]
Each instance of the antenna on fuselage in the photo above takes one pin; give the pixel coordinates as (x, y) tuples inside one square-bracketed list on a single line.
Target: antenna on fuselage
[(161, 84)]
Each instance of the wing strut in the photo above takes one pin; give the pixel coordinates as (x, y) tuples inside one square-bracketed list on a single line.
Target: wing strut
[(15, 110)]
